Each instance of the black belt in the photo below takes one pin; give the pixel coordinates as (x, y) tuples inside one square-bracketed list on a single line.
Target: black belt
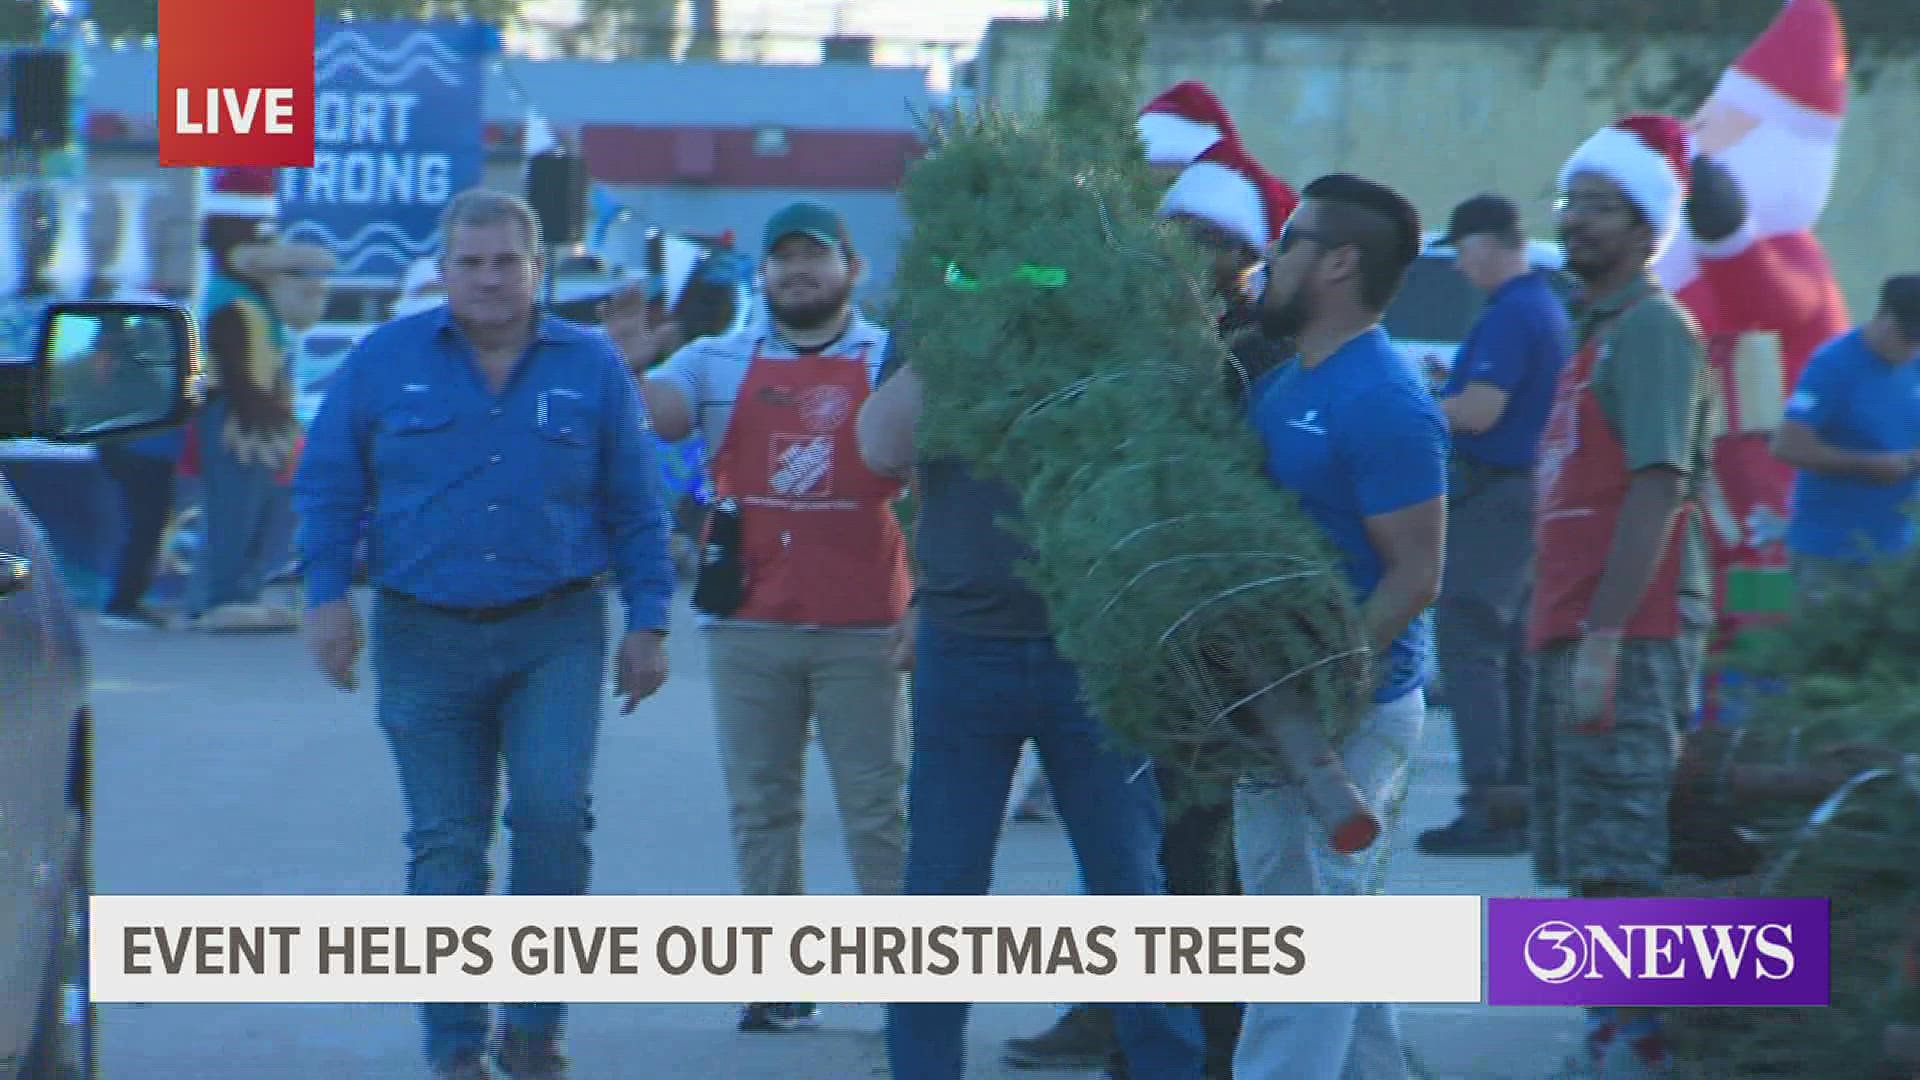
[(1491, 471), (503, 611)]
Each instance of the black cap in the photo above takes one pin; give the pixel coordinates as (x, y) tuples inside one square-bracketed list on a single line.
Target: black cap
[(1901, 297), (1482, 214)]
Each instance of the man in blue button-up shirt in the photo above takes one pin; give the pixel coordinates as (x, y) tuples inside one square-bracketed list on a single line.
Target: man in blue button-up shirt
[(501, 463)]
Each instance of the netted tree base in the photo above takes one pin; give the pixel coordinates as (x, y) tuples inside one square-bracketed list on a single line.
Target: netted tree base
[(1866, 860)]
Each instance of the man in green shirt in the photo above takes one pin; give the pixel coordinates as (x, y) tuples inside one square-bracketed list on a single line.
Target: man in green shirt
[(1619, 615)]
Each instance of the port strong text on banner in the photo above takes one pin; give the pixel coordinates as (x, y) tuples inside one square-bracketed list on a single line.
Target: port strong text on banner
[(1423, 949), (222, 105), (397, 132)]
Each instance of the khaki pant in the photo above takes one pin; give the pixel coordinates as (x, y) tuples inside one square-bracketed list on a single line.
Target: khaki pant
[(768, 682)]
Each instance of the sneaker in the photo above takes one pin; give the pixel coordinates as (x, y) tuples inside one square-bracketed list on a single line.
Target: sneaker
[(530, 1057), (1467, 836), (778, 1016), (245, 618), (280, 616), (1081, 1039), (470, 1066), (1595, 1059), (1033, 810), (140, 619), (1646, 1056), (798, 1014)]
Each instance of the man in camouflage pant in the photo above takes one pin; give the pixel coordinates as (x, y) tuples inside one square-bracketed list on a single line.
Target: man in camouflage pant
[(1620, 564), (1613, 790)]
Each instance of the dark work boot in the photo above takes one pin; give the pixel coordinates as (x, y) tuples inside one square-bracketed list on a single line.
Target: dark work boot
[(779, 1016), (523, 1056), (467, 1066), (1081, 1039), (1471, 835)]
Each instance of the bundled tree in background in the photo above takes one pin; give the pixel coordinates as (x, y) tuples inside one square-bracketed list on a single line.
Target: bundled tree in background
[(1826, 772), (1065, 346)]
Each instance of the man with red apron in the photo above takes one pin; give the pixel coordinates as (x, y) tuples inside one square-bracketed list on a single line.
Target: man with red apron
[(1619, 612), (804, 581)]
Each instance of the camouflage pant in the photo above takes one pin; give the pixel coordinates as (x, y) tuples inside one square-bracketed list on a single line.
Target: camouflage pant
[(1600, 801)]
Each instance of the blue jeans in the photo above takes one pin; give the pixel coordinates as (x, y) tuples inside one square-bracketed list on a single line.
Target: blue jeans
[(246, 511), (457, 699), (975, 702)]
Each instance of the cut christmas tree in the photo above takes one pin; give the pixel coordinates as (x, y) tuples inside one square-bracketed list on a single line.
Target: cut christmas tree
[(1823, 786), (1066, 346)]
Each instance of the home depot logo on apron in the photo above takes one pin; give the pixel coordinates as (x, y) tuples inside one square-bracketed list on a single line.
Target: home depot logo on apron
[(819, 542), (1581, 480)]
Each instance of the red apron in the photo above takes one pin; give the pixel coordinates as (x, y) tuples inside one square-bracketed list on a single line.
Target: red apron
[(820, 544), (1581, 481)]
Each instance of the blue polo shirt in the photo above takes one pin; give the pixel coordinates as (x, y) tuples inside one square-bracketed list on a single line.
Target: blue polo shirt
[(1355, 437), (473, 499), (1855, 400), (1519, 343)]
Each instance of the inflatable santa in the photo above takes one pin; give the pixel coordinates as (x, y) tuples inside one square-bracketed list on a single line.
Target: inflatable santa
[(1751, 272)]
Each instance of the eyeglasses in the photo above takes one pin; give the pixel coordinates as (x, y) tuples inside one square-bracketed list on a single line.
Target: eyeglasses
[(1291, 235), (1594, 205)]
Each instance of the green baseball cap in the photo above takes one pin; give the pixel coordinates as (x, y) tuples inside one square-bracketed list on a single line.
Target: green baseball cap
[(811, 220)]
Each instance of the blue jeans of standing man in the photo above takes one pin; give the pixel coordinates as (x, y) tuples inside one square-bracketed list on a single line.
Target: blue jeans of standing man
[(459, 699), (975, 702), (245, 510)]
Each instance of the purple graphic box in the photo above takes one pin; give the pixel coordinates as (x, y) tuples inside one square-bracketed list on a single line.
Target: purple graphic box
[(1659, 952)]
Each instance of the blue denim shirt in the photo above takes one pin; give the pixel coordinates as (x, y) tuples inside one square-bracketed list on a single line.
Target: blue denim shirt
[(478, 500)]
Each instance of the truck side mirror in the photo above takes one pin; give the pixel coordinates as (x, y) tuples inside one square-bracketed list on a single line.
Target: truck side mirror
[(103, 369)]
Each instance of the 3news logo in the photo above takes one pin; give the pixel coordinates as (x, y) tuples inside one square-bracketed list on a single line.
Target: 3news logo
[(1659, 952), (237, 83)]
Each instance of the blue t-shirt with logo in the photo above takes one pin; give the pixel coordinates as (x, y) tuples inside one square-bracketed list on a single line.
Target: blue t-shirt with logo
[(1854, 400), (1519, 343), (1354, 437)]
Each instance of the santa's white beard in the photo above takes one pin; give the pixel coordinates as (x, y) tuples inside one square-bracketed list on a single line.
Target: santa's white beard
[(1787, 177)]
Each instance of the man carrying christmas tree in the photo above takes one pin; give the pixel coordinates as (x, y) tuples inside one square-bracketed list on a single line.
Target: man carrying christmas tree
[(1232, 208), (987, 679), (1348, 429), (1619, 560), (1852, 430)]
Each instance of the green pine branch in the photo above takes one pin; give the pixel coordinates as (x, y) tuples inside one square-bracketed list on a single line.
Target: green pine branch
[(1066, 348)]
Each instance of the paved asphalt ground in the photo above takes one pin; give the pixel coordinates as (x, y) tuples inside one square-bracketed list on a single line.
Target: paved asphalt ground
[(227, 766)]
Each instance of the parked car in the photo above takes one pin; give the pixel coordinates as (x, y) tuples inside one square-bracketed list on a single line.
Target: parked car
[(100, 370), (1436, 306)]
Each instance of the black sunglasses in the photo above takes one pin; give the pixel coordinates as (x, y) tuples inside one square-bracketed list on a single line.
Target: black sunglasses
[(1291, 235)]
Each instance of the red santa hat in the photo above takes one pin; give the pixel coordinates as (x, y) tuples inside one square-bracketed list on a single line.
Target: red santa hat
[(1795, 72), (1232, 191), (1647, 155), (241, 192), (1183, 123)]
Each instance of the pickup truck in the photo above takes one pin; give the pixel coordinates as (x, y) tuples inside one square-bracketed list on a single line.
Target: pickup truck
[(100, 370)]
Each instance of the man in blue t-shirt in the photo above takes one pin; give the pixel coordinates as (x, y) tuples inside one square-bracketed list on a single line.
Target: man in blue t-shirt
[(1852, 429), (1351, 432), (1495, 402)]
